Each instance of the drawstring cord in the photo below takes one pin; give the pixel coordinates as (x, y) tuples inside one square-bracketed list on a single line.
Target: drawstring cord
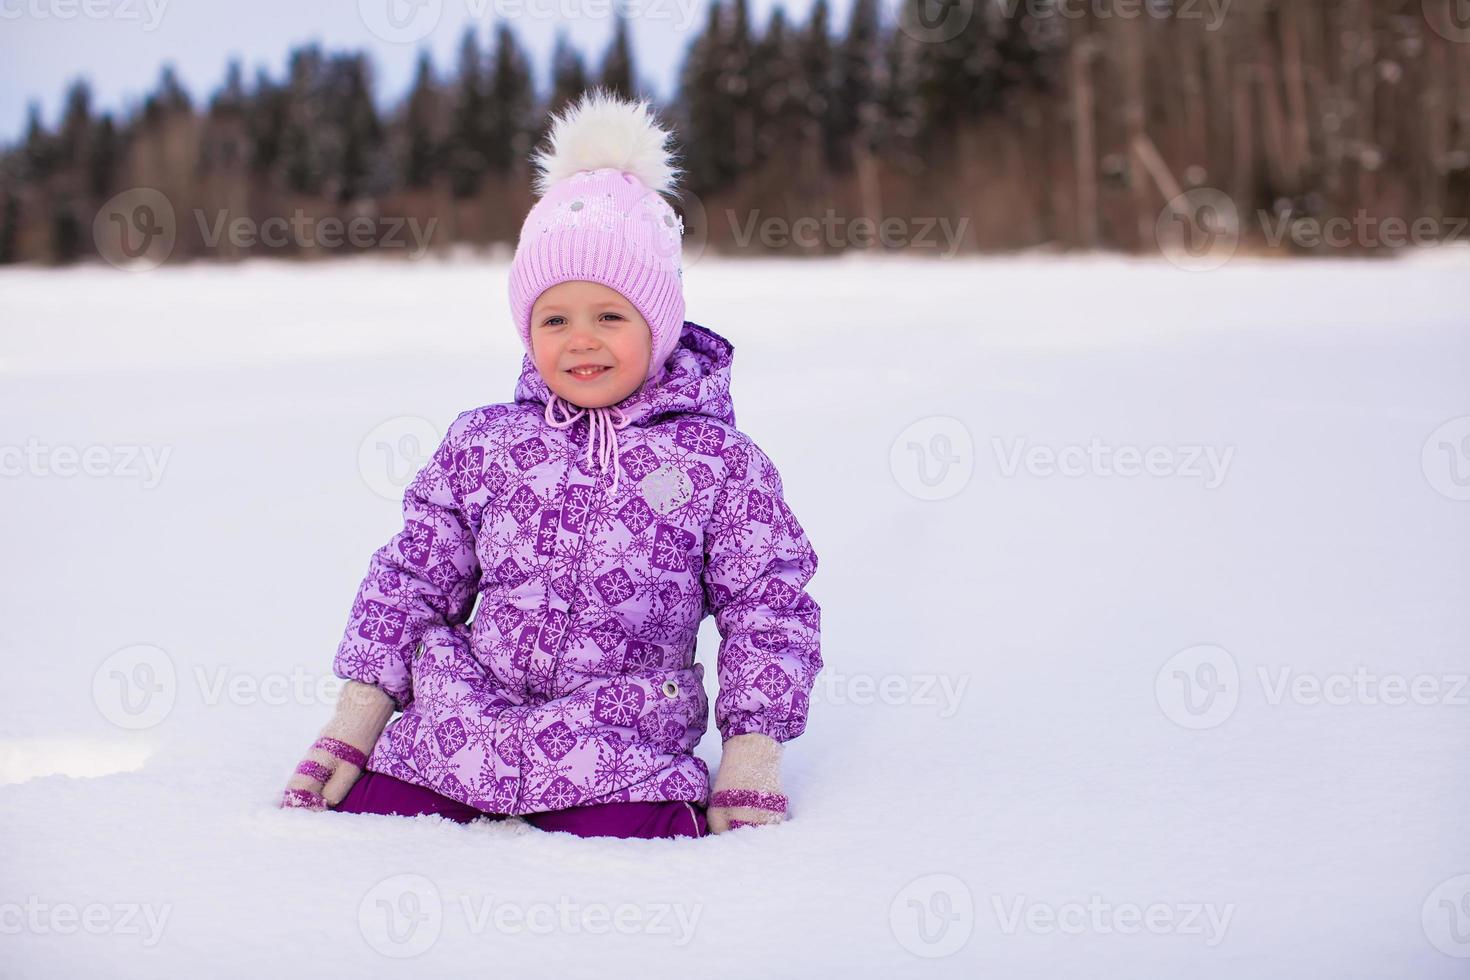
[(603, 426)]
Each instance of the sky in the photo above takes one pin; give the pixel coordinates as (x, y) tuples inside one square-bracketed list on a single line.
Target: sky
[(120, 46)]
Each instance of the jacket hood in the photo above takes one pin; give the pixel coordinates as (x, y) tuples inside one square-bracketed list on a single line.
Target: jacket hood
[(694, 380)]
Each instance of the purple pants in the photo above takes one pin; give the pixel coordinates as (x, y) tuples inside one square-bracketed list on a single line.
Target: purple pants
[(377, 792)]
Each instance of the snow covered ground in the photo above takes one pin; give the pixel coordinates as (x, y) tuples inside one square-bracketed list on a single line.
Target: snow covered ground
[(1144, 602)]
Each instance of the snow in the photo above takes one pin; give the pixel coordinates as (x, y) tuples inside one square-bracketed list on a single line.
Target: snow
[(1002, 775)]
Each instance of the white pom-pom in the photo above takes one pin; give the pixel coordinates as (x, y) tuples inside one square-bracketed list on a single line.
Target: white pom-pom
[(603, 130)]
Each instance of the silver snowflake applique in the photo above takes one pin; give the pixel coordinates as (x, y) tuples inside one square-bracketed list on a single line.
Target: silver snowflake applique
[(666, 489)]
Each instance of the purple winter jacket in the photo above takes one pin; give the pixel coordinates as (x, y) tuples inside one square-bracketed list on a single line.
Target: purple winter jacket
[(577, 684)]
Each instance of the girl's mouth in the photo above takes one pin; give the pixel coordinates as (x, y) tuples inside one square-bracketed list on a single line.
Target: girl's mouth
[(588, 373)]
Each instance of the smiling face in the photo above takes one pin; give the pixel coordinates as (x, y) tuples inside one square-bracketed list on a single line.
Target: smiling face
[(578, 324)]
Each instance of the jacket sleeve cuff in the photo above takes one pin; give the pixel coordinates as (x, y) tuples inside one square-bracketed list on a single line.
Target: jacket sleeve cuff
[(748, 722), (388, 678)]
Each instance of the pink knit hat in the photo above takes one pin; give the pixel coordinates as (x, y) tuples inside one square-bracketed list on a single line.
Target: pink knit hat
[(602, 217)]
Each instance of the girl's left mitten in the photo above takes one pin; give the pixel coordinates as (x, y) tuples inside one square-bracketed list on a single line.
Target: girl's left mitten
[(747, 789)]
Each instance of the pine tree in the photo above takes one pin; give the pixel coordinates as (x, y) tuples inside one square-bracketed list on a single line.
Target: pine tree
[(818, 75), (38, 151), (305, 139), (103, 159), (169, 98), (1033, 47), (513, 103), (616, 71), (421, 155), (9, 221), (956, 79), (73, 141), (231, 96), (705, 123), (775, 90), (735, 69), (855, 110), (357, 166), (265, 123), (469, 131), (222, 146), (898, 103), (74, 136), (568, 74)]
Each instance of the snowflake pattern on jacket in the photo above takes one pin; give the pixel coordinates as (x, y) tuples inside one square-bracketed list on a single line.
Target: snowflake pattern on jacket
[(577, 682)]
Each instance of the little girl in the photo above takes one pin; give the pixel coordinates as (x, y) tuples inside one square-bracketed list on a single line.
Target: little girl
[(597, 519)]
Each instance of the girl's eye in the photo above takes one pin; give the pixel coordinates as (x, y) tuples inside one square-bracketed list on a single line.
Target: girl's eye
[(556, 321)]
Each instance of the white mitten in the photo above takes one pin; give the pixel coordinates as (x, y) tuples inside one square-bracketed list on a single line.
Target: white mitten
[(340, 753), (747, 789)]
